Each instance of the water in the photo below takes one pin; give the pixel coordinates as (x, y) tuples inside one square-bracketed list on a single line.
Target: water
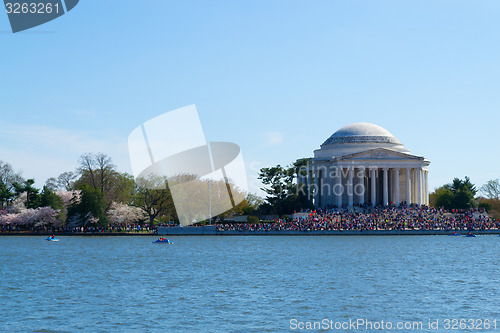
[(244, 284)]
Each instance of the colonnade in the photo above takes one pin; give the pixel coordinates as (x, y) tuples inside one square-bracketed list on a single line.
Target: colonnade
[(350, 185)]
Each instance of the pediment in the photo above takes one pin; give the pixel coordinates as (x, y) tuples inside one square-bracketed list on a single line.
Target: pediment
[(379, 154)]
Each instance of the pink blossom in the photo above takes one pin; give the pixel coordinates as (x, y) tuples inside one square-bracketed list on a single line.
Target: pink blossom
[(124, 214), (10, 219)]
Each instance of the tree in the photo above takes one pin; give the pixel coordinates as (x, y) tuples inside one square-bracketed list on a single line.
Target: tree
[(492, 206), (303, 196), (491, 189), (248, 206), (442, 197), (90, 209), (65, 181), (18, 205), (153, 196), (49, 198), (10, 219), (39, 217), (68, 198), (8, 177), (457, 195), (120, 213), (278, 184), (95, 169), (463, 193), (6, 194), (98, 171), (32, 197), (284, 195)]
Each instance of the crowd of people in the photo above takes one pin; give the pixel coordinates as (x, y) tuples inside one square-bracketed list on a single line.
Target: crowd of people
[(380, 218), (358, 218)]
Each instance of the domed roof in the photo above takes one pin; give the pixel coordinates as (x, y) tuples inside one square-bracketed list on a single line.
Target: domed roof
[(362, 133)]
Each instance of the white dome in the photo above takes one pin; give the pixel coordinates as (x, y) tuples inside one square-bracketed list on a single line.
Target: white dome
[(362, 129), (362, 133)]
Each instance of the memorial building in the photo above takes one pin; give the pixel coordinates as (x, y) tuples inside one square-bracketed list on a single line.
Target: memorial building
[(363, 163)]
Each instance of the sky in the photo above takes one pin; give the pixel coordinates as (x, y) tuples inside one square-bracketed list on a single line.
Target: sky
[(275, 77)]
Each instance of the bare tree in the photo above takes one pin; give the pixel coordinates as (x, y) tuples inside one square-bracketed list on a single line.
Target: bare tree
[(8, 176), (65, 181), (491, 189), (98, 170), (153, 197)]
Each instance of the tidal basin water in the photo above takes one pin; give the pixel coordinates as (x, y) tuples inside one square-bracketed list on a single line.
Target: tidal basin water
[(246, 284)]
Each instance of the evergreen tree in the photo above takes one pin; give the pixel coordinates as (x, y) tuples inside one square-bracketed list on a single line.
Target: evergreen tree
[(283, 195), (6, 194), (91, 205), (48, 198), (32, 196), (457, 195)]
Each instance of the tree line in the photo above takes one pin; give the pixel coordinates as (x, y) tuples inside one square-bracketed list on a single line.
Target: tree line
[(94, 194), (97, 194)]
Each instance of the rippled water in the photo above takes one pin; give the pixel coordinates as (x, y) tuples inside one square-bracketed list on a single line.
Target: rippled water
[(243, 284)]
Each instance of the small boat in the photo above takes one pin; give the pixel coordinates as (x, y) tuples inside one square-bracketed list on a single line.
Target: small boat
[(52, 239), (163, 240), (470, 235), (454, 234)]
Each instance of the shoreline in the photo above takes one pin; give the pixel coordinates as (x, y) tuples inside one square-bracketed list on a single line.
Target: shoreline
[(210, 231), (44, 234)]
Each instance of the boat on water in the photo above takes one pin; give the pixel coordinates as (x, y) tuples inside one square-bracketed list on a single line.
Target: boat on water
[(163, 240), (52, 239), (454, 234), (470, 234)]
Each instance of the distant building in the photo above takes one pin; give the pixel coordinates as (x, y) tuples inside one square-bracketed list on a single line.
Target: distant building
[(364, 163)]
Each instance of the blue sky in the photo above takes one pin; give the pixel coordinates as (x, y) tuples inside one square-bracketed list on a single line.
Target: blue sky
[(276, 77)]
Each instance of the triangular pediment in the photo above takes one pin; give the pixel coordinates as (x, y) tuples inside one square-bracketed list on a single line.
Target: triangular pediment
[(379, 154)]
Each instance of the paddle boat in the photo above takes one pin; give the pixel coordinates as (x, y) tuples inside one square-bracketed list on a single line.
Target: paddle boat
[(52, 239), (454, 233), (470, 234), (163, 240)]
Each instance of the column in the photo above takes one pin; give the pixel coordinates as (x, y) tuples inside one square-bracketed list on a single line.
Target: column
[(316, 188), (419, 186), (408, 187), (386, 189), (426, 188), (339, 189), (396, 187), (374, 191), (361, 189), (331, 183), (350, 187)]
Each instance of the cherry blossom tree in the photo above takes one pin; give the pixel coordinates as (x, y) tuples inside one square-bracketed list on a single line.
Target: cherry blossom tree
[(10, 219), (18, 214), (42, 216), (120, 213), (18, 205)]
